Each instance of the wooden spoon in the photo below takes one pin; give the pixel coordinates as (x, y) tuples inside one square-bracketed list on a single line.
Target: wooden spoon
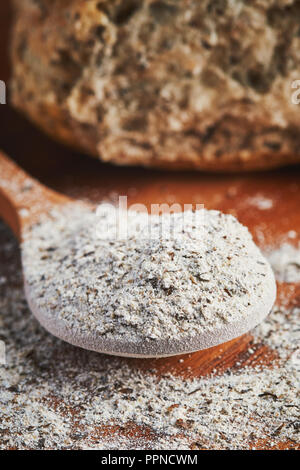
[(24, 200)]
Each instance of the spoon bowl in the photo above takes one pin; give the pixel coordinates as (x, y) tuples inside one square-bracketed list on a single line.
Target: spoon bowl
[(24, 202)]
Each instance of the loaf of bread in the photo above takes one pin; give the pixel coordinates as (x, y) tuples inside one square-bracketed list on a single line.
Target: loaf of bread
[(168, 83)]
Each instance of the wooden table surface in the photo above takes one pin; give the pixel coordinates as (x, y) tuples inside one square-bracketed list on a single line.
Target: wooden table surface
[(80, 176)]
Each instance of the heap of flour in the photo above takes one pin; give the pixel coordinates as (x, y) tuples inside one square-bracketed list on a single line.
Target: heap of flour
[(80, 400), (154, 277)]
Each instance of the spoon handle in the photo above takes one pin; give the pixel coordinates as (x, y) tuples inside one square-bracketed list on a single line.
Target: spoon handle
[(22, 198)]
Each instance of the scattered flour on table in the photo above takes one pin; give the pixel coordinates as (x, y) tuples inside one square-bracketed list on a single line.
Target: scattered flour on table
[(285, 262), (169, 276), (55, 396), (260, 202)]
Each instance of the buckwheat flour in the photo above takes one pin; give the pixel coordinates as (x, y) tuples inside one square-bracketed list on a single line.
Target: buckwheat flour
[(56, 396), (285, 262), (164, 279)]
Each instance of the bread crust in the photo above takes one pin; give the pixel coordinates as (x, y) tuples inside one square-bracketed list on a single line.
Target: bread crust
[(172, 84)]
